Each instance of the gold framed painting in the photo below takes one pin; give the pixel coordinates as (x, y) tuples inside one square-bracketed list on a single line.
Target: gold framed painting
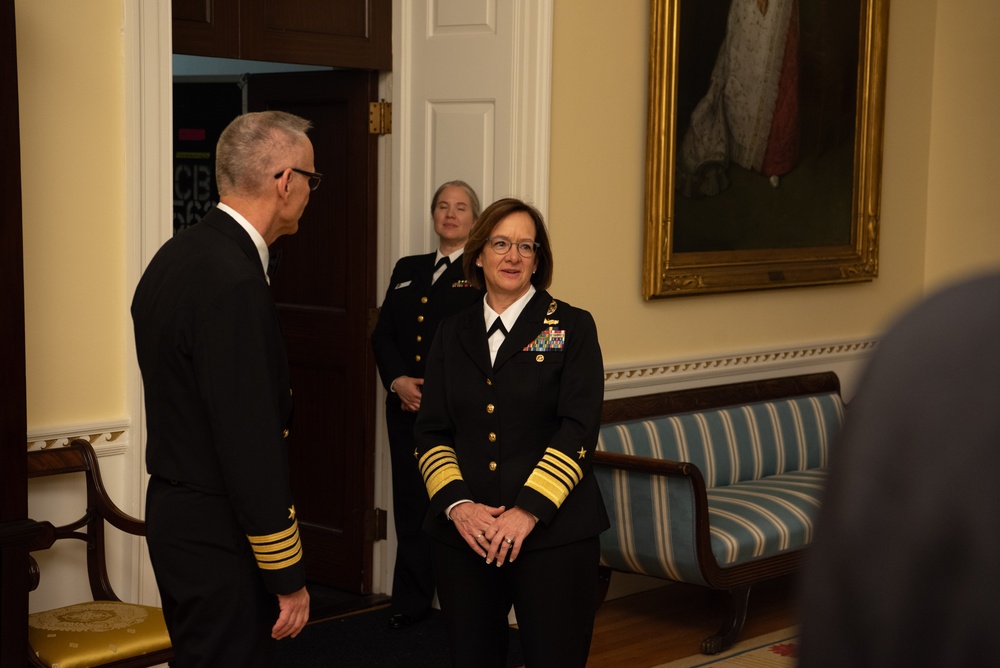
[(763, 144)]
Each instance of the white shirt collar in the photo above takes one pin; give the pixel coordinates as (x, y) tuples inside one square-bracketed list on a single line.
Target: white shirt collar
[(451, 258), (258, 240), (511, 313)]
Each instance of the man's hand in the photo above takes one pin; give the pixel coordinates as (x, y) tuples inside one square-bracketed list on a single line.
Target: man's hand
[(294, 614)]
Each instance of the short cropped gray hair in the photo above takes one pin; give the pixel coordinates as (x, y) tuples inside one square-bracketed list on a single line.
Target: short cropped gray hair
[(253, 147)]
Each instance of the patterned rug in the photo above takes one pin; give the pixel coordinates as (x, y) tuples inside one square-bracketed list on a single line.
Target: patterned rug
[(773, 650)]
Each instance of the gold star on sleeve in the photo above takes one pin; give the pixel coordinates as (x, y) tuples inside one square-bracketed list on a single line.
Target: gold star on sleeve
[(582, 452), (291, 513)]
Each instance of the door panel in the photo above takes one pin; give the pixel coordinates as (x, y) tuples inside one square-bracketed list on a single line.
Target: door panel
[(345, 33), (324, 289), (206, 27)]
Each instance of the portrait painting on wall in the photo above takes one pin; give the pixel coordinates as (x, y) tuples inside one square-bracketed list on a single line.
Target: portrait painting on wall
[(763, 144)]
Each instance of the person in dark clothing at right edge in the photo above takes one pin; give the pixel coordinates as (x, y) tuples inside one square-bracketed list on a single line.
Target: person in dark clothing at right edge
[(905, 567), (422, 291)]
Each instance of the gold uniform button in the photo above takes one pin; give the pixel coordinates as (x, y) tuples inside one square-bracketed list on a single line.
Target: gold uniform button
[(493, 466), (284, 433), (539, 358), (423, 300), (420, 318), (492, 437), (490, 408), (418, 358), (419, 338), (489, 382)]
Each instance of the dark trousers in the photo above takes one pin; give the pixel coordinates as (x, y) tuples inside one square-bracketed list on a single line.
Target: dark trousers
[(216, 608), (552, 591), (413, 573)]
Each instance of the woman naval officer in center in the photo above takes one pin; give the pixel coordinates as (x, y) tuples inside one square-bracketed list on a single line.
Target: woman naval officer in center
[(423, 289), (505, 436)]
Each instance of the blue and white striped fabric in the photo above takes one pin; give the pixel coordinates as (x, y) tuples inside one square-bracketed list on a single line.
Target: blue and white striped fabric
[(764, 467)]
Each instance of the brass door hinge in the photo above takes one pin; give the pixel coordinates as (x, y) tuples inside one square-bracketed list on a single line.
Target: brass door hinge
[(376, 520), (380, 118)]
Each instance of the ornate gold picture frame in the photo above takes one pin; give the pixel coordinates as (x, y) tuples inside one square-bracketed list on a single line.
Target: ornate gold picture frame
[(764, 144)]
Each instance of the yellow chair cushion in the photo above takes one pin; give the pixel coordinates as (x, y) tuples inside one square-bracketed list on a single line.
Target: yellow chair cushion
[(91, 634)]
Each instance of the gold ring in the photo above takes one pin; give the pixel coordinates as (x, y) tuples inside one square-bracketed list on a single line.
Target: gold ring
[(508, 541)]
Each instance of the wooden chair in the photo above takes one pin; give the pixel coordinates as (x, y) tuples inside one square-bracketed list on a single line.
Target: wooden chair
[(105, 631)]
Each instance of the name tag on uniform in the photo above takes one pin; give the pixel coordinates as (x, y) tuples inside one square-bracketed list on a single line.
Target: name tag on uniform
[(549, 339), (402, 285)]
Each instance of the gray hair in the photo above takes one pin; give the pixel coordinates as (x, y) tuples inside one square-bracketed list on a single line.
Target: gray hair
[(473, 198), (253, 147)]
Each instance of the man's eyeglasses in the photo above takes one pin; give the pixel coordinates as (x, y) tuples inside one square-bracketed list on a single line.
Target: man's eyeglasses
[(502, 246), (314, 177)]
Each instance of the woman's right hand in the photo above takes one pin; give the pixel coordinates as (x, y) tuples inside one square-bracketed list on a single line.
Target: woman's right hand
[(471, 520)]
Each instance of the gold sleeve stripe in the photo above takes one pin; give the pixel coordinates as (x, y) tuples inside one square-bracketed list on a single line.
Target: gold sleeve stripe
[(555, 476), (281, 535), (278, 550), (564, 461), (439, 466), (275, 547), (280, 555), (436, 454), (291, 561)]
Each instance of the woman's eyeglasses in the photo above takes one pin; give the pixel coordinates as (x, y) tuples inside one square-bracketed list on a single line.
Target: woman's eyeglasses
[(502, 246)]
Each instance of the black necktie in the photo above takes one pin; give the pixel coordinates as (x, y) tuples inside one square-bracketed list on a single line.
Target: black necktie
[(273, 260), (443, 261), (497, 324)]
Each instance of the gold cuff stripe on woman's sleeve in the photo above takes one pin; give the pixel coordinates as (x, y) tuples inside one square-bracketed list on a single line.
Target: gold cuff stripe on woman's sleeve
[(555, 476), (273, 548), (542, 482), (564, 463), (278, 555), (439, 466)]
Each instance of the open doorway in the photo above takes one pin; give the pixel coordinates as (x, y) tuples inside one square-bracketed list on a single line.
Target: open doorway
[(324, 290)]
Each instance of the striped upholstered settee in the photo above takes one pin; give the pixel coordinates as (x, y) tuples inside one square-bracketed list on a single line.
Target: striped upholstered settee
[(719, 486)]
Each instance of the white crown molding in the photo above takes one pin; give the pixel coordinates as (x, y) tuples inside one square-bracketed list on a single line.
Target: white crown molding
[(635, 379), (108, 438)]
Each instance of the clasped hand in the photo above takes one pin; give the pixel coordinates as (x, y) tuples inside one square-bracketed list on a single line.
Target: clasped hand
[(493, 533)]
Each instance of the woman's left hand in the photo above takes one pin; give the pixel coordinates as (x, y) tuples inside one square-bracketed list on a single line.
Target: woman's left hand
[(507, 534)]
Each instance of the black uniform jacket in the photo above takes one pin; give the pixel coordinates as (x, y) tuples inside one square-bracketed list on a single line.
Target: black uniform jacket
[(411, 312), (218, 400), (521, 432)]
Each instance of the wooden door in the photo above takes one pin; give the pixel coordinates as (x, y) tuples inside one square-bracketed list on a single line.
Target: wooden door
[(16, 530), (324, 288), (341, 33)]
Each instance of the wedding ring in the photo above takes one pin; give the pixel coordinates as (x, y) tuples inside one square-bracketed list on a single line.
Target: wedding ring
[(508, 541), (479, 535)]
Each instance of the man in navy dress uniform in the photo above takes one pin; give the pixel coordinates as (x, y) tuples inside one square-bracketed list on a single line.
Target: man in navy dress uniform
[(222, 532)]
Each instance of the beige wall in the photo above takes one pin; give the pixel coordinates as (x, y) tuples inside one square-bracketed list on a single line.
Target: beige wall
[(963, 230), (598, 127), (70, 85)]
